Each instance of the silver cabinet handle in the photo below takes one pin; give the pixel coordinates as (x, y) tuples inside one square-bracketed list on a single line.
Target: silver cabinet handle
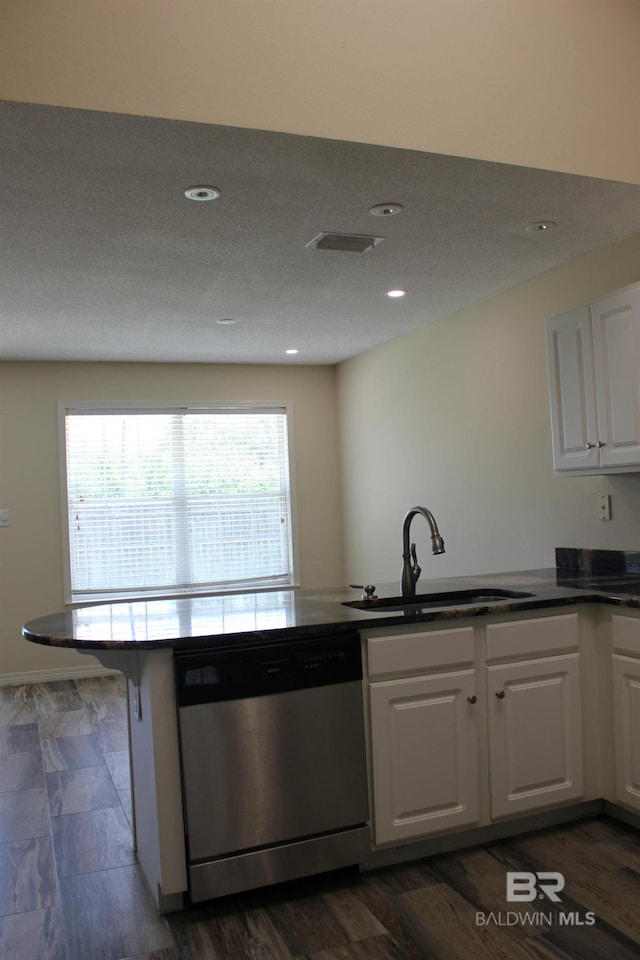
[(601, 443), (589, 446), (500, 694), (472, 699)]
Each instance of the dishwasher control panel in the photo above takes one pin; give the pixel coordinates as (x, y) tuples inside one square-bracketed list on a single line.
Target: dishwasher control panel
[(256, 670)]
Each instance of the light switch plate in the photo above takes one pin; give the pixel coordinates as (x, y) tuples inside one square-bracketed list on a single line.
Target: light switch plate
[(4, 518), (604, 506)]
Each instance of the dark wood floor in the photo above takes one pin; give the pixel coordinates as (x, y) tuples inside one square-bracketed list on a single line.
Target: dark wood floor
[(70, 888)]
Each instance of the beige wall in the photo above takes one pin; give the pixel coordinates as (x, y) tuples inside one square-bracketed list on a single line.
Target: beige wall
[(547, 83), (30, 549), (456, 417)]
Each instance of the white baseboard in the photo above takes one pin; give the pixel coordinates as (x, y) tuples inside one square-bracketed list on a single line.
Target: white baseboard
[(47, 676)]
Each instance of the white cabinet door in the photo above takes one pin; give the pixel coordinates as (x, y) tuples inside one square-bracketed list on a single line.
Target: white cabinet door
[(424, 741), (626, 707), (574, 421), (535, 734), (616, 342)]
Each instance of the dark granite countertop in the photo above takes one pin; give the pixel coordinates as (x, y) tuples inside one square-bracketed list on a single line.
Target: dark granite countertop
[(580, 576)]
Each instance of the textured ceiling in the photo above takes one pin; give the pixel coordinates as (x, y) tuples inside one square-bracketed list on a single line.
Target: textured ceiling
[(103, 258)]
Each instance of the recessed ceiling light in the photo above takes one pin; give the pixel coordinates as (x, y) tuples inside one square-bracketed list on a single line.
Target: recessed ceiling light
[(386, 209), (540, 226), (225, 321), (292, 351), (202, 193), (396, 294)]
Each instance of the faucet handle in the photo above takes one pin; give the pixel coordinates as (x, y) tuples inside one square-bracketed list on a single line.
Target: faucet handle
[(369, 591), (415, 566)]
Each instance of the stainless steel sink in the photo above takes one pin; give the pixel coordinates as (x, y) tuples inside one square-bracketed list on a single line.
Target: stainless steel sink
[(448, 598)]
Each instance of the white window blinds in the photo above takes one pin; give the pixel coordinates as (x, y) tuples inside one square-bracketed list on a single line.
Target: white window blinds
[(163, 502)]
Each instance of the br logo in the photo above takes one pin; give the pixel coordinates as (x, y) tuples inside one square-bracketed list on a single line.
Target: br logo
[(522, 885)]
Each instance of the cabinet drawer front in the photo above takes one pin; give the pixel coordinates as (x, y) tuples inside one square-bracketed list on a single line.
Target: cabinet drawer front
[(525, 638), (625, 632), (408, 652)]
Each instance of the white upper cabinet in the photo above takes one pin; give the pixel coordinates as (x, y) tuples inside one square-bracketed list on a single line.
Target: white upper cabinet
[(594, 379), (615, 322), (574, 419)]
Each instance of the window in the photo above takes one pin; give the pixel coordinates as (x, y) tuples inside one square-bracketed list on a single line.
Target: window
[(172, 501)]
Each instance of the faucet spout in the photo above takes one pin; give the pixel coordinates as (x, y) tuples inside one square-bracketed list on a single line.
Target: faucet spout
[(410, 568)]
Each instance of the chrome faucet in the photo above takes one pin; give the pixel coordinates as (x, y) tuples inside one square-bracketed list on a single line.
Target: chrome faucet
[(410, 568)]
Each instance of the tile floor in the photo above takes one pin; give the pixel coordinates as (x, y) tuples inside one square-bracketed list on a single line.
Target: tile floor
[(70, 888)]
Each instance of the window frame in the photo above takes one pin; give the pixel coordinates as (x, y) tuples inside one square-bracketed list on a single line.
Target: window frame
[(140, 407)]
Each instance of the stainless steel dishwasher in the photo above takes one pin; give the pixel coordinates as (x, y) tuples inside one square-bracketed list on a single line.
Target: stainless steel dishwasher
[(273, 762)]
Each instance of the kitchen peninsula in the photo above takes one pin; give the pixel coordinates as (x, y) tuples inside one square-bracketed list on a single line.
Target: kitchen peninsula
[(557, 627)]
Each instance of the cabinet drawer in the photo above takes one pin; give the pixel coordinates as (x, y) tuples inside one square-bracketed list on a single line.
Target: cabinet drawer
[(524, 638), (408, 652), (625, 634)]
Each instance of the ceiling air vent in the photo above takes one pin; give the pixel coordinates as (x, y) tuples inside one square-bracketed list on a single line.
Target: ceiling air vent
[(351, 242)]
